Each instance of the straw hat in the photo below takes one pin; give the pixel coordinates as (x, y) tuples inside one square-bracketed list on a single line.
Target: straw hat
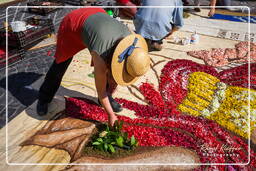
[(130, 59)]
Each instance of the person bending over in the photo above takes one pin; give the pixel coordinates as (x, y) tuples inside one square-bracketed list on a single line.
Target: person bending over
[(119, 57)]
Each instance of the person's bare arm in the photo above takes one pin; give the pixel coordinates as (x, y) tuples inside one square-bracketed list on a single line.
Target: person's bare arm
[(100, 72), (212, 10)]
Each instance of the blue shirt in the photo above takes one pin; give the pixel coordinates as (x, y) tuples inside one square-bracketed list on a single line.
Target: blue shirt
[(156, 23)]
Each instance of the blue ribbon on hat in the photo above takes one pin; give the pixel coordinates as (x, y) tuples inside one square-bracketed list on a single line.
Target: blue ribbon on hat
[(128, 51)]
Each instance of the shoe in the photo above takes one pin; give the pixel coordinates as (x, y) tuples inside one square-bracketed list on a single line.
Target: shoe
[(115, 106), (156, 46), (197, 9), (153, 45), (41, 108)]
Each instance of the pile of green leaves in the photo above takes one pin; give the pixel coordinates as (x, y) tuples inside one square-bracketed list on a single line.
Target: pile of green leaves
[(109, 140)]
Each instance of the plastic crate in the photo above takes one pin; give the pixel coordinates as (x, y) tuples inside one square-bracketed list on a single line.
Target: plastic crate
[(25, 39), (43, 11), (14, 56)]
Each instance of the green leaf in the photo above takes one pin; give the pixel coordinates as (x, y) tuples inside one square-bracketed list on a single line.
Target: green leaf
[(120, 141), (100, 147), (113, 134), (91, 75), (133, 140), (107, 129), (120, 125), (96, 143), (99, 139), (109, 140), (105, 146), (111, 148), (125, 136), (137, 144)]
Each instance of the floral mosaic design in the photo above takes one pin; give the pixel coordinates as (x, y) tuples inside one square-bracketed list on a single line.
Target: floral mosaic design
[(164, 122)]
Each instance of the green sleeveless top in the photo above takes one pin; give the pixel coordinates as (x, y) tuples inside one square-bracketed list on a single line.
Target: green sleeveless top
[(101, 33)]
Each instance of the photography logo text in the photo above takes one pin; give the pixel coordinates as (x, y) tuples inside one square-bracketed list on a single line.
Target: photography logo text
[(219, 150)]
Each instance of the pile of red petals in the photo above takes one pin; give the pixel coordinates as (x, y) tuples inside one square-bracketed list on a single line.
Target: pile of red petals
[(178, 130), (160, 124)]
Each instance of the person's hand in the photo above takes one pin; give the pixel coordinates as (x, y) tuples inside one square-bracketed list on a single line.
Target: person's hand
[(112, 119), (211, 12)]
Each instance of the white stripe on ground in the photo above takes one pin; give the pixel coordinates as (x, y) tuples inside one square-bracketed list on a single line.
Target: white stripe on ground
[(55, 15), (15, 13), (5, 16), (2, 15), (23, 14)]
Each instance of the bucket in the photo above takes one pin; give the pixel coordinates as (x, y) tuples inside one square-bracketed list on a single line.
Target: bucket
[(18, 26)]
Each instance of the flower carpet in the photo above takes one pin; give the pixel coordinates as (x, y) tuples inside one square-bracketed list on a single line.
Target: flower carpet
[(218, 57), (183, 112)]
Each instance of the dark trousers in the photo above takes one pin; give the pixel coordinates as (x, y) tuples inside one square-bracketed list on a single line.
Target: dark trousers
[(52, 81)]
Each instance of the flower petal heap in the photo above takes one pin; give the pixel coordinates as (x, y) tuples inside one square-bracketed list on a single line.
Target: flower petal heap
[(178, 130), (160, 124)]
